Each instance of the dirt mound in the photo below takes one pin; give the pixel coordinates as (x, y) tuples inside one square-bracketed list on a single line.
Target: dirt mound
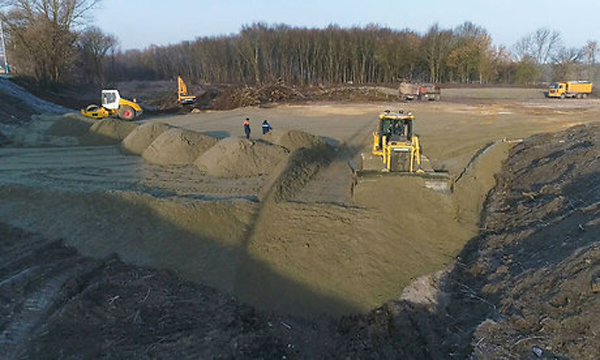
[(71, 124), (253, 96), (293, 139), (107, 132), (178, 147), (239, 157), (139, 139), (291, 175)]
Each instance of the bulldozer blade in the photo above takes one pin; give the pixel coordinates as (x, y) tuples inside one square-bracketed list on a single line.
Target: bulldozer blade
[(440, 182), (372, 167)]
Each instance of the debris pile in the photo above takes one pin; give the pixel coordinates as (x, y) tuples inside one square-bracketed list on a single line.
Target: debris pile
[(256, 95)]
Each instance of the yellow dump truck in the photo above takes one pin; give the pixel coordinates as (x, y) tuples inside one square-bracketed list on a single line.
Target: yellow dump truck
[(570, 89)]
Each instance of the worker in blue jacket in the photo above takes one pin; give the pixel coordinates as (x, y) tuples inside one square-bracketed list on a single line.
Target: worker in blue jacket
[(266, 127)]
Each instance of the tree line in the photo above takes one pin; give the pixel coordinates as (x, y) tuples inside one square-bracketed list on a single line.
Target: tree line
[(48, 43)]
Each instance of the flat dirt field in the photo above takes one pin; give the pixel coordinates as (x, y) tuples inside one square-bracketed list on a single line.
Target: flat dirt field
[(305, 235)]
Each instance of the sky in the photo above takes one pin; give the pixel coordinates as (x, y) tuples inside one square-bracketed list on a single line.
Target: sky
[(140, 23)]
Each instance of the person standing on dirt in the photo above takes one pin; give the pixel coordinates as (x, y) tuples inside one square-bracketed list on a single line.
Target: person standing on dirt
[(247, 128), (266, 127)]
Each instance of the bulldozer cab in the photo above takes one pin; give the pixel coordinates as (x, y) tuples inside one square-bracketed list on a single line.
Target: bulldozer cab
[(111, 99), (395, 143), (397, 127)]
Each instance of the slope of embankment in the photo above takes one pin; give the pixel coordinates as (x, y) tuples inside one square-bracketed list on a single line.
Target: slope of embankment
[(527, 286)]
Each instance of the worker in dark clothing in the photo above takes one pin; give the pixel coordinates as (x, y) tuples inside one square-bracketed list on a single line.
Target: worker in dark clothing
[(247, 128), (266, 127)]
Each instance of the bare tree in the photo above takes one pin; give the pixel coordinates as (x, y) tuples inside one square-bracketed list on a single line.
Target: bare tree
[(438, 44), (42, 34), (541, 45), (94, 45)]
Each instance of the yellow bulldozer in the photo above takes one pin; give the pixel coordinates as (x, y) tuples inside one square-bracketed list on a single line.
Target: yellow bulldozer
[(183, 97), (395, 143), (396, 150), (113, 105)]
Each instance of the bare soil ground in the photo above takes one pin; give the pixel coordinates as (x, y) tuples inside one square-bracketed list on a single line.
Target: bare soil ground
[(312, 237), (527, 285)]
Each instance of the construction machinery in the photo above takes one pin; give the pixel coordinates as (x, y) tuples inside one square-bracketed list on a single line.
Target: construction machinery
[(396, 144), (410, 91), (570, 89), (113, 105), (182, 93), (429, 92), (396, 150)]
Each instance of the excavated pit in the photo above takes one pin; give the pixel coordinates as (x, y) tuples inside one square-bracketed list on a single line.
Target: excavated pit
[(291, 233)]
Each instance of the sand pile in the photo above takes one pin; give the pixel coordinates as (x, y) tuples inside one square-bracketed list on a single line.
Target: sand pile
[(294, 139), (239, 157), (71, 124), (291, 175), (139, 139), (178, 147), (107, 132)]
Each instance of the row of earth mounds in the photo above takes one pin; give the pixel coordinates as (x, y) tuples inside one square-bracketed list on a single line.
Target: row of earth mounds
[(166, 145)]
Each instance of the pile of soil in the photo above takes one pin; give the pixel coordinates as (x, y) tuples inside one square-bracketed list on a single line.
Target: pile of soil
[(292, 175), (178, 147), (107, 132), (239, 157), (294, 139), (140, 138), (256, 95), (71, 124), (14, 110)]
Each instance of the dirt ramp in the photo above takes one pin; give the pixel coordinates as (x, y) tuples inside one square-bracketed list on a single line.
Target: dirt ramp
[(139, 139), (72, 124), (107, 132), (293, 139), (238, 157), (178, 147)]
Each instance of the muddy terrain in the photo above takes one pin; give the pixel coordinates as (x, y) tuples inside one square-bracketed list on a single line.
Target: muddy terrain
[(287, 244)]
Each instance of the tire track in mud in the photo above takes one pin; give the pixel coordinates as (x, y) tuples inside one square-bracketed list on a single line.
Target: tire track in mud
[(33, 284)]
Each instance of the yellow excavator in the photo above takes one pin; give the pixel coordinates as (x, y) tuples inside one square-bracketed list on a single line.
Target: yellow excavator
[(182, 93), (396, 144), (113, 105)]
